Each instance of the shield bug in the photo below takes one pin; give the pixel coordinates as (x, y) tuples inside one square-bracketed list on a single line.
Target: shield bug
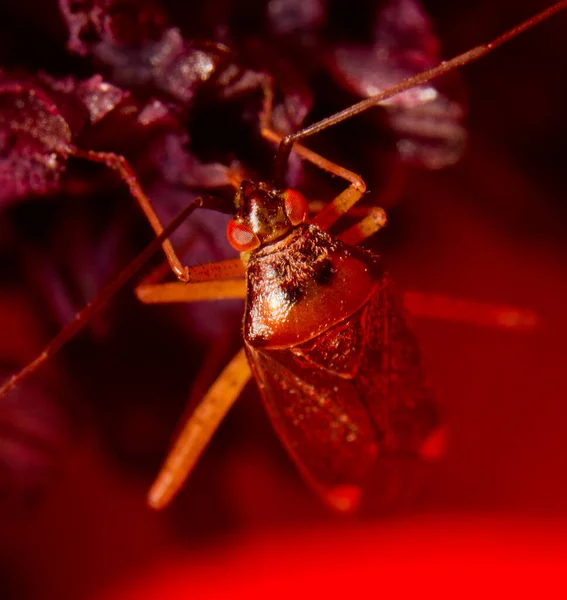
[(325, 338)]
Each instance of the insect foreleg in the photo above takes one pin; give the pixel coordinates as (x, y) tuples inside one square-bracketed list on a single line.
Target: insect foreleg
[(176, 291), (120, 165), (344, 201), (231, 268), (210, 281)]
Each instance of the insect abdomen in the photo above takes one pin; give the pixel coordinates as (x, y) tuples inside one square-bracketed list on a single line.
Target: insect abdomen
[(375, 349)]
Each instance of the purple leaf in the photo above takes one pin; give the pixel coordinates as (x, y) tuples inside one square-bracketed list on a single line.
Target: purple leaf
[(115, 22), (293, 17), (34, 433), (426, 121), (99, 97), (178, 166), (35, 140)]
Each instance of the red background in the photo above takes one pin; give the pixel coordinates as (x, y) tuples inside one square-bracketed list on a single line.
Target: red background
[(490, 229)]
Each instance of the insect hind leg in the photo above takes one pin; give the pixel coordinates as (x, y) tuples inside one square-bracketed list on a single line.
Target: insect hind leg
[(199, 429)]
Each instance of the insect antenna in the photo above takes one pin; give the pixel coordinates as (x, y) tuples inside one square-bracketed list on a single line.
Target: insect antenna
[(285, 146), (93, 307), (119, 165)]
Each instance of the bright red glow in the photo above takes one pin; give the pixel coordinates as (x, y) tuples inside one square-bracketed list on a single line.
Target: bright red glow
[(435, 446), (478, 252), (345, 498), (441, 558)]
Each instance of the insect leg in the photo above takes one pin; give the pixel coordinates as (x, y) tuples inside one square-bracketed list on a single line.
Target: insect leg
[(458, 310), (199, 429), (176, 291), (83, 317), (231, 268), (121, 166), (210, 281), (444, 67), (345, 200), (366, 227)]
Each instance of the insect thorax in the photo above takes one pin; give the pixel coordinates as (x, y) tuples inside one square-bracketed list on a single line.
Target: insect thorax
[(303, 284)]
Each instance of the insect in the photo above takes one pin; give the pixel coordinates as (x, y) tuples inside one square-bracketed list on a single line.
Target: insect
[(324, 337)]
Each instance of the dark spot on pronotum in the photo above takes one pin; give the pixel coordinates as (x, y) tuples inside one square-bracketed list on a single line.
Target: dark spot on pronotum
[(294, 293), (324, 272)]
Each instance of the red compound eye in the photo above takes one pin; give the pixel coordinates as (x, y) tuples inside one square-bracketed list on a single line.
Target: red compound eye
[(240, 237), (295, 207)]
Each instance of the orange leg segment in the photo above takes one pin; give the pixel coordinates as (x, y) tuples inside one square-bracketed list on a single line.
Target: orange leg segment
[(211, 281), (121, 166), (445, 308), (343, 202), (331, 213), (199, 429), (231, 268), (366, 227), (175, 291)]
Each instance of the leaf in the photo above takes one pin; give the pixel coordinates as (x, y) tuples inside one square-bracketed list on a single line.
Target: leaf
[(35, 140), (34, 433), (115, 22), (425, 119)]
